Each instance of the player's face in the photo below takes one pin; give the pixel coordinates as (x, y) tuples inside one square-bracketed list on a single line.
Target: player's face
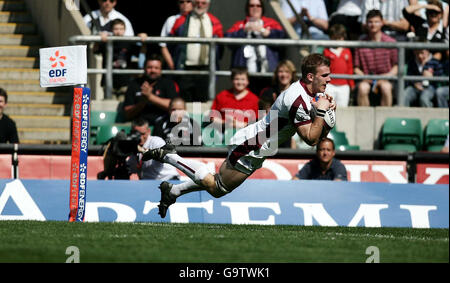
[(240, 82), (153, 69), (321, 79), (325, 152), (284, 76)]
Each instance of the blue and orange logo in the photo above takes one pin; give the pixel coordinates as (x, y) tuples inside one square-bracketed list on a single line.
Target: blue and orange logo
[(57, 75)]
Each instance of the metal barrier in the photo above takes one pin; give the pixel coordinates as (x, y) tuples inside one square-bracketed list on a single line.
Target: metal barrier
[(401, 78)]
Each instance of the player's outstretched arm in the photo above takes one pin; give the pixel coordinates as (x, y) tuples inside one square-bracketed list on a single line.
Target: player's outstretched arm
[(311, 133)]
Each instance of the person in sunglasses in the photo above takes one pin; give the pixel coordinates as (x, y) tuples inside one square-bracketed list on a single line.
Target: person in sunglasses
[(104, 16)]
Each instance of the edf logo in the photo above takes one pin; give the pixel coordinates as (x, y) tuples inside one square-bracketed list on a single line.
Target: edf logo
[(55, 61)]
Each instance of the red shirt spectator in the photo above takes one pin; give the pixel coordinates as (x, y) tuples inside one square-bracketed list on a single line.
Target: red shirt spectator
[(340, 64)]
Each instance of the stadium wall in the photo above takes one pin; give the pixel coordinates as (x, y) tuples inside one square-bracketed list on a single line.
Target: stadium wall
[(261, 202)]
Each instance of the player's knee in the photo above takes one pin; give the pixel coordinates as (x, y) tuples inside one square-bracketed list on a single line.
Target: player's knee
[(216, 187)]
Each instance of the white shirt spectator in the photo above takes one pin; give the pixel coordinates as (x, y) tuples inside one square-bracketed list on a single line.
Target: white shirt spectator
[(167, 27), (114, 14), (316, 8)]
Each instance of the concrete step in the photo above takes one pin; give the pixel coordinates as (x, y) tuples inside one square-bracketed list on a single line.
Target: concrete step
[(17, 28), (19, 51), (42, 97), (54, 122), (19, 74), (20, 39), (21, 85), (12, 6), (45, 135), (15, 17), (19, 62), (36, 109)]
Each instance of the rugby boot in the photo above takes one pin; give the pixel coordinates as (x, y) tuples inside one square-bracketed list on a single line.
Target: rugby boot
[(159, 153), (166, 198)]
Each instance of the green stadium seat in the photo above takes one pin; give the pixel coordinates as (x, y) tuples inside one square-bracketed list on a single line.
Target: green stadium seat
[(211, 137), (401, 134), (106, 132), (97, 119), (435, 134), (339, 138), (345, 147)]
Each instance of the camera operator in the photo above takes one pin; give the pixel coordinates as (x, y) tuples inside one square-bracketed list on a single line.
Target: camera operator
[(150, 169)]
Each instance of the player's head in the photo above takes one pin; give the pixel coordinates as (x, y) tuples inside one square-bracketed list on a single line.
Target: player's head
[(3, 100), (153, 67), (285, 73), (106, 6), (118, 27), (325, 150), (140, 125), (316, 72), (239, 78)]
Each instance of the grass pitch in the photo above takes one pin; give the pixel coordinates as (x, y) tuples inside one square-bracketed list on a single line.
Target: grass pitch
[(32, 241)]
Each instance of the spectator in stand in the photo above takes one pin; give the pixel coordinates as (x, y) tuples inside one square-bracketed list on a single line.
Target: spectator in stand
[(442, 92), (177, 126), (375, 61), (424, 91), (104, 16), (260, 58), (284, 75), (236, 107), (198, 23), (394, 23), (347, 14), (423, 14), (149, 96), (123, 52), (432, 28), (324, 166), (313, 13), (150, 169), (341, 63), (185, 7), (8, 129)]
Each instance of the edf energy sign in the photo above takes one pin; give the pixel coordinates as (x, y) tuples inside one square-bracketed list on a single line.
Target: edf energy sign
[(63, 66)]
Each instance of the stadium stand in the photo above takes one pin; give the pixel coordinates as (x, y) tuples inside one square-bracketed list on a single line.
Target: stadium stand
[(106, 132), (435, 134), (402, 134)]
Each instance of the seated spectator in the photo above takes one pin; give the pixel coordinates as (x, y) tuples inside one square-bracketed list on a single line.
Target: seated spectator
[(104, 16), (375, 61), (185, 7), (347, 14), (8, 129), (284, 75), (177, 126), (236, 107), (341, 63), (198, 23), (442, 91), (394, 23), (423, 14), (150, 169), (422, 65), (260, 58), (324, 166), (123, 52), (432, 28), (149, 96), (314, 16)]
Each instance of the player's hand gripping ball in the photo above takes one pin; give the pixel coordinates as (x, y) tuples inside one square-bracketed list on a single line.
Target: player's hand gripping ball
[(329, 116)]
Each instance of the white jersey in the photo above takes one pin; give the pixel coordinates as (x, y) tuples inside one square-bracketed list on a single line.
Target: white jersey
[(252, 144)]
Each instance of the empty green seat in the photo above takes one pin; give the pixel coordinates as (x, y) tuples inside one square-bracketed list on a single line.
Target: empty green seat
[(97, 119), (435, 134), (339, 138), (345, 147), (401, 134), (106, 132)]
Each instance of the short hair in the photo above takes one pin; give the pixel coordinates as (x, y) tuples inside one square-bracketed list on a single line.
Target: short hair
[(337, 31), (436, 3), (290, 66), (154, 57), (239, 71), (117, 22), (247, 8), (4, 94), (311, 62), (374, 13), (139, 122), (175, 99), (325, 139)]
